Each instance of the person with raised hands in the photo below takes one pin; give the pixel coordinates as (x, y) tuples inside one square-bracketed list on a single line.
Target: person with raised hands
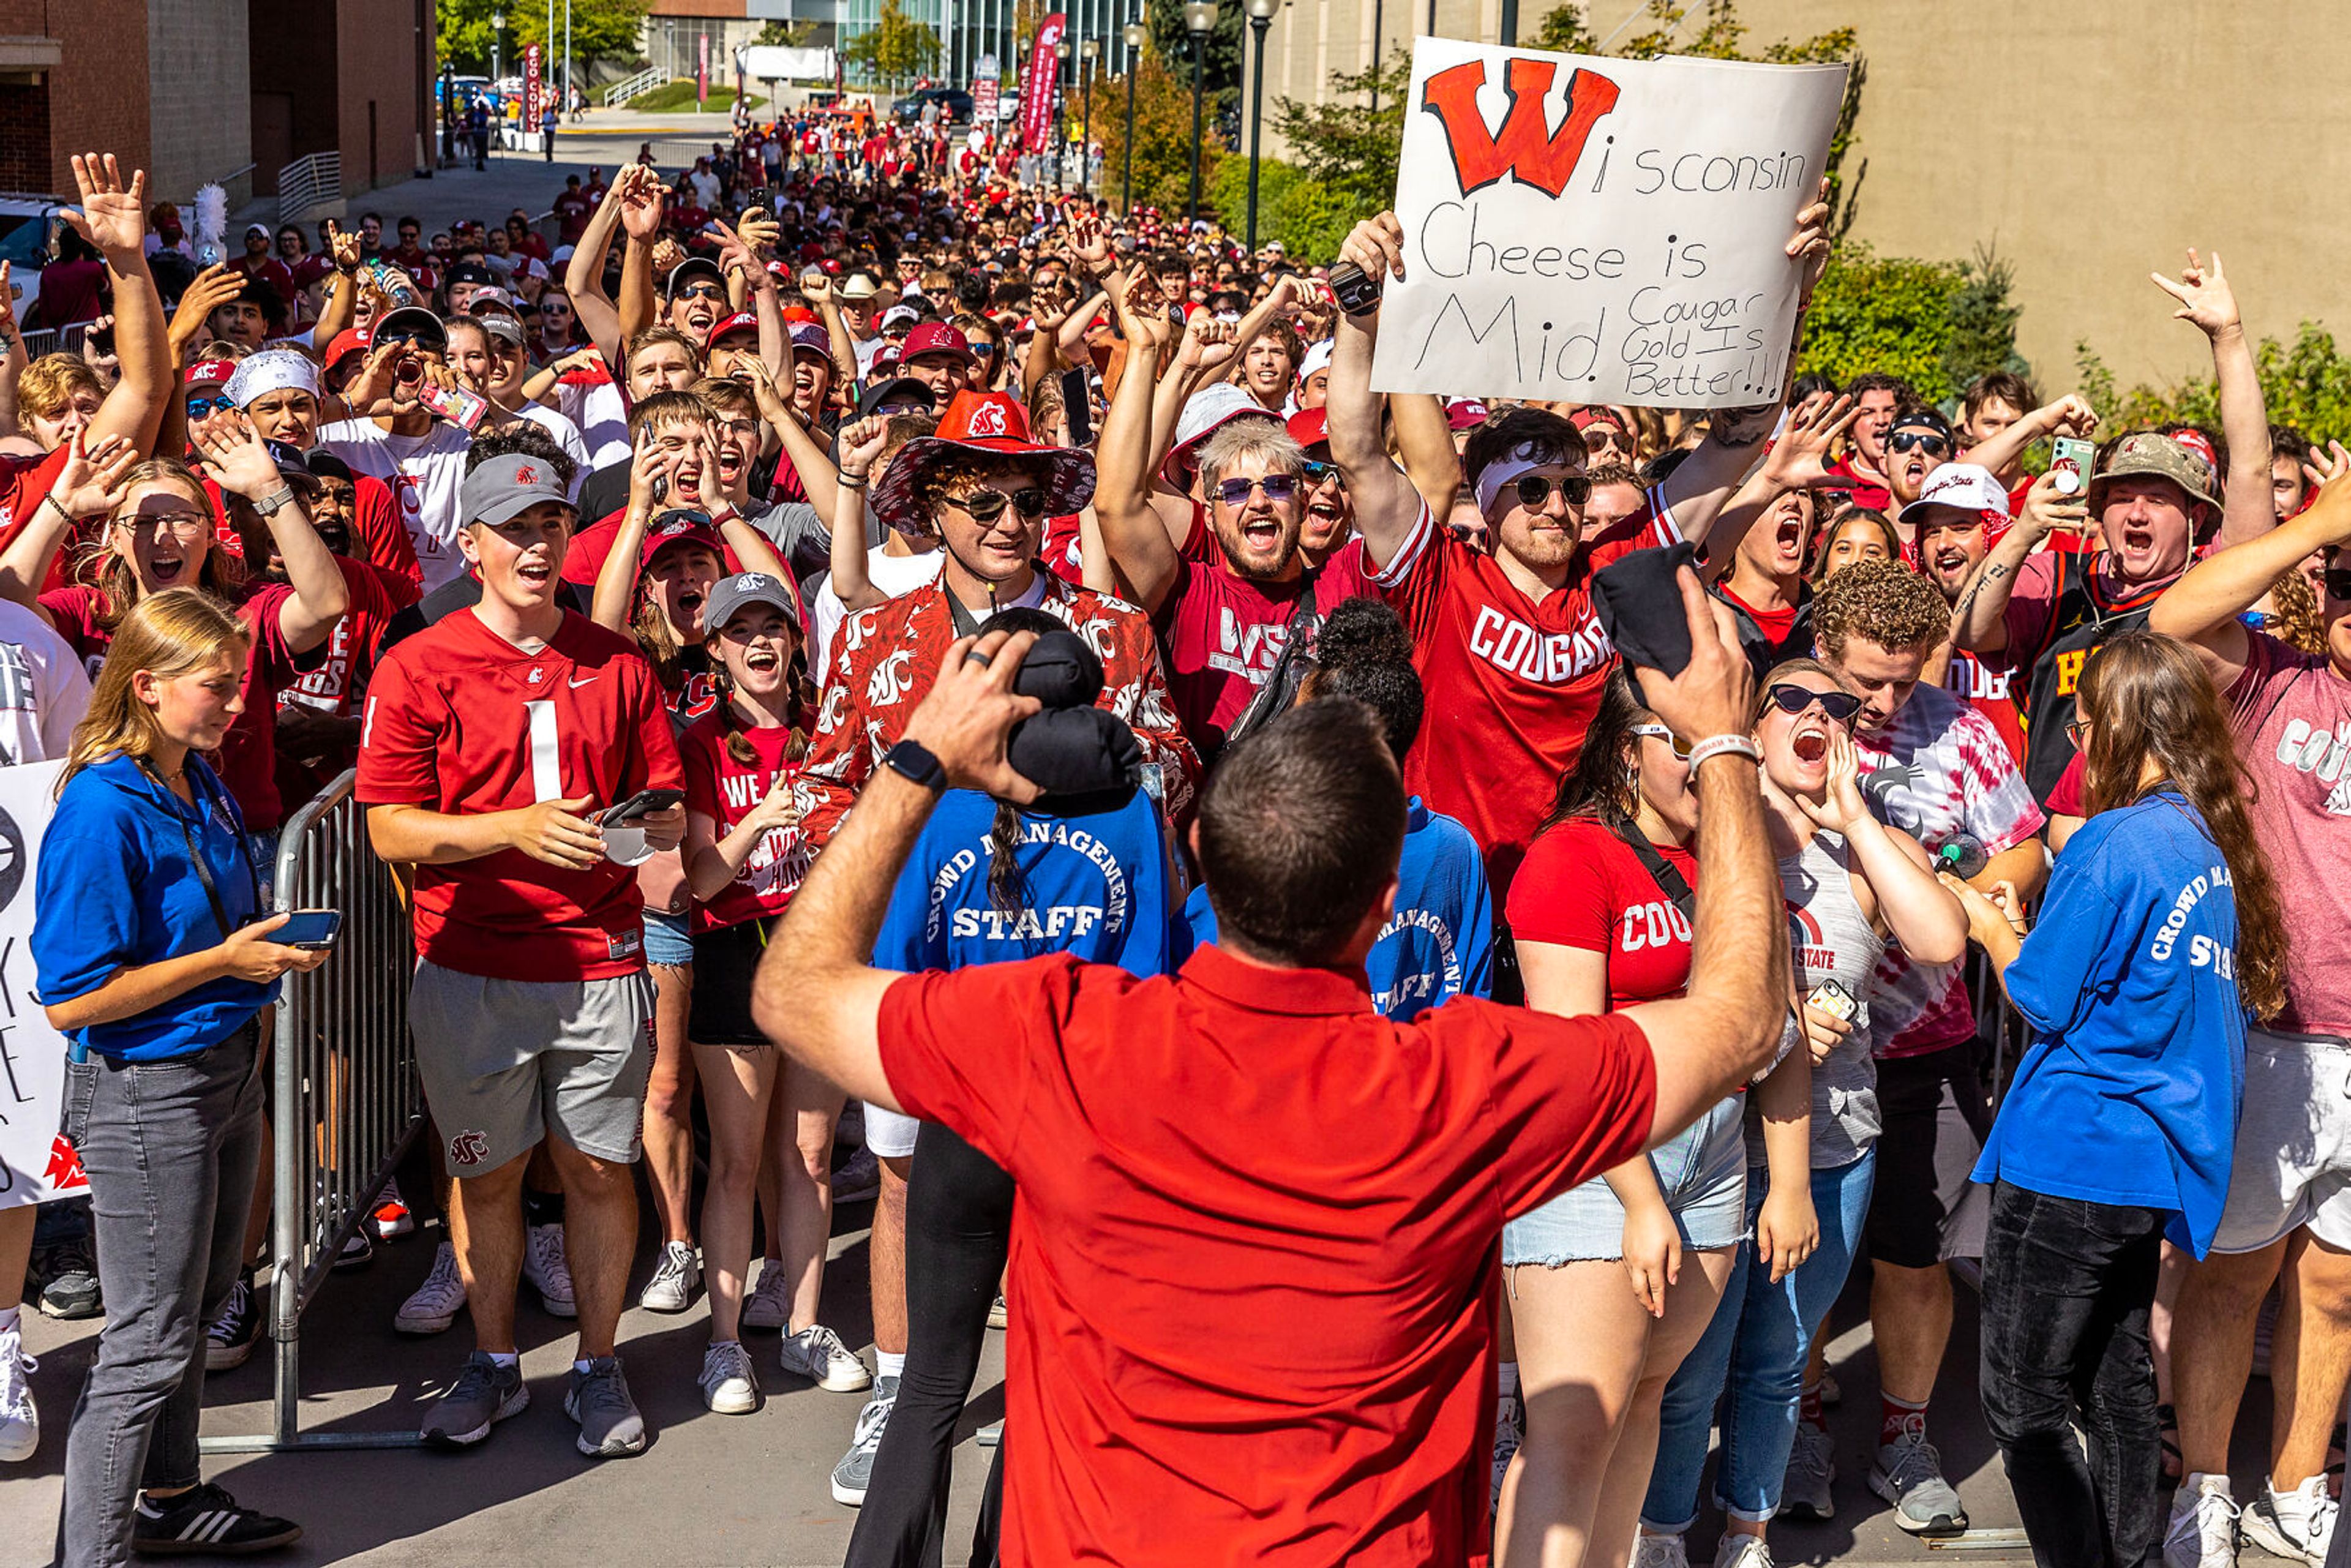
[(2288, 1216), (1512, 650), (1770, 526)]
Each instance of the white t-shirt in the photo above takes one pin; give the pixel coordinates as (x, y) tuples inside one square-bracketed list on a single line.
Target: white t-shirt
[(893, 574), (42, 691), (427, 476), (601, 416), (567, 436)]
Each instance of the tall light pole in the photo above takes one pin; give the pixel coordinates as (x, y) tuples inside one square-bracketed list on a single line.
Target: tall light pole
[(1137, 34), (1377, 18), (497, 33), (1199, 20), (1261, 18), (1089, 50), (566, 60), (1062, 53), (1510, 24)]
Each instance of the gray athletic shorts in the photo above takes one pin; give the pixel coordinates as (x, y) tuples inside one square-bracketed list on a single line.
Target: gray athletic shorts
[(506, 1062)]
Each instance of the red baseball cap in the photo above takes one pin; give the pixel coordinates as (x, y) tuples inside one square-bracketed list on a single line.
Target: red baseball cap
[(682, 526), (935, 338), (741, 321), (210, 373), (1461, 413), (1310, 427), (349, 341)]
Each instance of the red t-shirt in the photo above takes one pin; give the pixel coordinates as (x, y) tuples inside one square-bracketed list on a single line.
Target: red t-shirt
[(2066, 797), (1984, 679), (1581, 886), (1870, 493), (381, 535), (1253, 1271), (724, 791), (460, 721), (269, 270), (1512, 684), (376, 596), (1223, 632), (247, 762), (571, 211), (1775, 623), (24, 481)]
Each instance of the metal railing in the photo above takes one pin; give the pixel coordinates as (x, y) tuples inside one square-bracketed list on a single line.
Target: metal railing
[(347, 1099), (644, 81), (314, 180)]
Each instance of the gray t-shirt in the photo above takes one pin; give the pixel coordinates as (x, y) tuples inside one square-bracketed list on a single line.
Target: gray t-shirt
[(799, 534), (1831, 939)]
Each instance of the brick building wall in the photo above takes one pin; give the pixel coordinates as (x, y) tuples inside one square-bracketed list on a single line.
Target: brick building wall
[(94, 99)]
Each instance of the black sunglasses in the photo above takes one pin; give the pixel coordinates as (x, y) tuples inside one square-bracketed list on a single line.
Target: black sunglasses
[(985, 506), (2338, 583), (701, 291), (1791, 698), (1904, 440), (1534, 489), (1320, 473)]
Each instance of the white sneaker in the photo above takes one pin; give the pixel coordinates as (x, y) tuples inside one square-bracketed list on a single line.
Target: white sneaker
[(1742, 1552), (769, 1305), (2203, 1531), (436, 1302), (817, 1354), (20, 1423), (2296, 1524), (544, 1265), (675, 1277), (729, 1386), (1660, 1552)]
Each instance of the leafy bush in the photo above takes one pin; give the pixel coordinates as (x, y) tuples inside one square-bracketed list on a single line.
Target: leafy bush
[(1306, 216), (1936, 324), (676, 96), (2306, 384)]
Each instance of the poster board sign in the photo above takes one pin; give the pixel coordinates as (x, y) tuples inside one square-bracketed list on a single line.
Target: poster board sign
[(985, 85), (35, 1165), (1601, 230)]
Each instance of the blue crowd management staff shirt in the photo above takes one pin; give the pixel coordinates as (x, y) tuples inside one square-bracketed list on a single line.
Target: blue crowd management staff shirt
[(2128, 1094), (115, 889), (1440, 943), (1097, 886)]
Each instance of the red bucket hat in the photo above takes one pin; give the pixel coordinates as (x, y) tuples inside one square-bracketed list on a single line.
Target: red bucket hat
[(985, 422)]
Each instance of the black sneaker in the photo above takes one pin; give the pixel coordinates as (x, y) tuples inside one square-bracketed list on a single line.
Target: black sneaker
[(69, 1280), (206, 1519), (228, 1343)]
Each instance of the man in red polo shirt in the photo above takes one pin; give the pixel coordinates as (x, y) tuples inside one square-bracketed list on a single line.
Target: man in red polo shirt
[(1253, 1272)]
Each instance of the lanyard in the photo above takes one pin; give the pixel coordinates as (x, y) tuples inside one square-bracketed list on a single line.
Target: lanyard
[(196, 855)]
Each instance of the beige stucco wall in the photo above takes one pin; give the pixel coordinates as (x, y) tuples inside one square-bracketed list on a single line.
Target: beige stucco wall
[(2089, 141)]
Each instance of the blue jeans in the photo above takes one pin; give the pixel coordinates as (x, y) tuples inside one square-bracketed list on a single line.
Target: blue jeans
[(1754, 1351)]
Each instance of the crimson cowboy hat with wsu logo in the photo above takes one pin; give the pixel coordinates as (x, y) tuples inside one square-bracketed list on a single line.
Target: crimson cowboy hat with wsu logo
[(989, 422)]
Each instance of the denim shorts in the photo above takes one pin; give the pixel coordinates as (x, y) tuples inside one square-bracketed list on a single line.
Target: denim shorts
[(669, 941), (1702, 1173)]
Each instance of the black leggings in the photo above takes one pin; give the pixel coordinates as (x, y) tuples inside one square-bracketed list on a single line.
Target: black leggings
[(958, 1227)]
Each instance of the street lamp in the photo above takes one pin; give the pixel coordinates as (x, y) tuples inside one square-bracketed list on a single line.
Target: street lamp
[(1137, 34), (1061, 141), (497, 31), (1088, 52), (1261, 18), (1199, 20)]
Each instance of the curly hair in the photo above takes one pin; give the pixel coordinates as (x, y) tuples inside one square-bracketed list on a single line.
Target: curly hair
[(2294, 617), (2147, 696), (1883, 601)]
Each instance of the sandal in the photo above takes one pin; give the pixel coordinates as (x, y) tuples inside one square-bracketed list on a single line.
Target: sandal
[(2174, 1467)]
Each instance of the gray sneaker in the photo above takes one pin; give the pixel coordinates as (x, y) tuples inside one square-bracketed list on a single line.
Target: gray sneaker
[(1812, 1466), (671, 1290), (1909, 1475), (610, 1426), (850, 1476), (484, 1395)]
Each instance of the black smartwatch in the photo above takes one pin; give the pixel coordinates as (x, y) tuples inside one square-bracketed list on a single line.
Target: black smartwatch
[(912, 760)]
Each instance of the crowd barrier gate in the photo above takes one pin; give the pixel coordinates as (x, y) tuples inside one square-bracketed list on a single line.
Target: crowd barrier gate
[(347, 1103)]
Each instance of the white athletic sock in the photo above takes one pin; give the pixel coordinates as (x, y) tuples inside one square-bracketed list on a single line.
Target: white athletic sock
[(889, 1363), (505, 1357)]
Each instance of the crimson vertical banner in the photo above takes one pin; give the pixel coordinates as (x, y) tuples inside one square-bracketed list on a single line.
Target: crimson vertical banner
[(701, 69), (1037, 87), (534, 92)]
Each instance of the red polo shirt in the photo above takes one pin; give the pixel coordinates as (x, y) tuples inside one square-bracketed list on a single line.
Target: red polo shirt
[(1253, 1267)]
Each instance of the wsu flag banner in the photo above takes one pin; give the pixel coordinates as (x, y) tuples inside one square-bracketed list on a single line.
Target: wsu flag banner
[(1037, 87), (1601, 230)]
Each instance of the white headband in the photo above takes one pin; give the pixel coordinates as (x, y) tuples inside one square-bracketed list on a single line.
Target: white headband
[(1509, 469), (272, 370)]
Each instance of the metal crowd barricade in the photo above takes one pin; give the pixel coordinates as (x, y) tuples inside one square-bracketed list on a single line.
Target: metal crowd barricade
[(347, 1099)]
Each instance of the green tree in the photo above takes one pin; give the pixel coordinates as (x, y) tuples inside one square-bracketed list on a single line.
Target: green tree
[(1220, 52), (600, 29), (1340, 145), (1162, 135), (1936, 324), (2305, 383), (786, 35), (896, 49)]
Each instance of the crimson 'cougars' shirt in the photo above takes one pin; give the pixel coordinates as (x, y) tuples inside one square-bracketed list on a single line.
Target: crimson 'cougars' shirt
[(1512, 684), (727, 790), (460, 721)]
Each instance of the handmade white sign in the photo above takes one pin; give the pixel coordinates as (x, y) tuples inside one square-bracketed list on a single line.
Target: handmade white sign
[(35, 1165), (1601, 230)]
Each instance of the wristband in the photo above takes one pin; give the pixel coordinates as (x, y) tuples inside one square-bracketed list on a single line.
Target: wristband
[(1718, 745), (852, 481), (60, 506)]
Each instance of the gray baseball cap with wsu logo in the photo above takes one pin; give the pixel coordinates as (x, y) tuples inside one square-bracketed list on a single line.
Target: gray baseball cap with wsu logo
[(503, 487)]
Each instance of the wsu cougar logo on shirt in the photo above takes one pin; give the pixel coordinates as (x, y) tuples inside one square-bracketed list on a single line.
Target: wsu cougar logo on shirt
[(889, 683)]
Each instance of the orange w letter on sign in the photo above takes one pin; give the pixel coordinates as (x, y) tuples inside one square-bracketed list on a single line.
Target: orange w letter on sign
[(1523, 149)]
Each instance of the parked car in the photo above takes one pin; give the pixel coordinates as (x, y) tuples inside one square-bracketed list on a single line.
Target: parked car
[(27, 224), (953, 101)]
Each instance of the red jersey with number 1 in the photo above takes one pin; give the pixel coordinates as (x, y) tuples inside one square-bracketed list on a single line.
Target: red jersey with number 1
[(1512, 684), (461, 721)]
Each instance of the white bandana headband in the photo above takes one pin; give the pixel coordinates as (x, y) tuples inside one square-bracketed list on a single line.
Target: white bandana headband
[(272, 370)]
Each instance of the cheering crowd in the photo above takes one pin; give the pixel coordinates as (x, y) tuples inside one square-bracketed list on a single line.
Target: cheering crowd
[(1402, 948)]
